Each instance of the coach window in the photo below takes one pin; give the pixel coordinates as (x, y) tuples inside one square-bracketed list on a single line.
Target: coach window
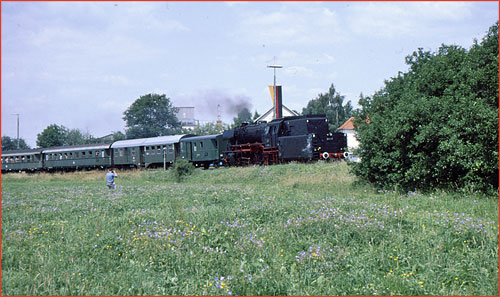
[(121, 152)]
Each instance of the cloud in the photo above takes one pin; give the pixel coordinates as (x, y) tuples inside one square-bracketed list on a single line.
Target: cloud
[(393, 20), (291, 25)]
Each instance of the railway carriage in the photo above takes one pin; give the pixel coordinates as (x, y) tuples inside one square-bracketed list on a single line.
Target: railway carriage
[(204, 151), (146, 152), (77, 157), (22, 160)]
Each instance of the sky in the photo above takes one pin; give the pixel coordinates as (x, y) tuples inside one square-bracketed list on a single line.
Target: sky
[(82, 64)]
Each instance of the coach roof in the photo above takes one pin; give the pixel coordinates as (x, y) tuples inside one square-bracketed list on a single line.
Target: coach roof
[(73, 148), (148, 141)]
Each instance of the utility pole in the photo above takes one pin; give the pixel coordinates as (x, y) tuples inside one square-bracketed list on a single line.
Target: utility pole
[(274, 86), (17, 129)]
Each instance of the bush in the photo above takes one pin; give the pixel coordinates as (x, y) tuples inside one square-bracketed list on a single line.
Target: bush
[(435, 126), (181, 169)]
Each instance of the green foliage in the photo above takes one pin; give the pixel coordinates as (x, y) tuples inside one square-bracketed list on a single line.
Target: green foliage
[(9, 144), (53, 135), (151, 115), (435, 126), (208, 129), (77, 137), (332, 105), (181, 169)]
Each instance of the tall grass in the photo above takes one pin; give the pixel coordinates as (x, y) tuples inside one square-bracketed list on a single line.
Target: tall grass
[(295, 229)]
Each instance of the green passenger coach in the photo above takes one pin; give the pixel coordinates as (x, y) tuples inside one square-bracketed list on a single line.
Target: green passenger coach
[(146, 152), (203, 151), (78, 157), (22, 160)]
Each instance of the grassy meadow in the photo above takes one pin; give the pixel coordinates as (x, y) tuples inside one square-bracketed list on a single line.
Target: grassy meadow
[(295, 229)]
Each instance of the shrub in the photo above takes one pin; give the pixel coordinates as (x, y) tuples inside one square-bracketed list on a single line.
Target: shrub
[(435, 126), (181, 169)]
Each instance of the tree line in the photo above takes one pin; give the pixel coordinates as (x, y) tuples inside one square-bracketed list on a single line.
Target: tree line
[(154, 115)]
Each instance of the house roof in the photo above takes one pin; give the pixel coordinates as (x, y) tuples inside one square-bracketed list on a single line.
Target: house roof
[(270, 111), (348, 125)]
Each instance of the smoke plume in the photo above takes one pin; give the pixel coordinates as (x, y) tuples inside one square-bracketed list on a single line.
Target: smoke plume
[(205, 103)]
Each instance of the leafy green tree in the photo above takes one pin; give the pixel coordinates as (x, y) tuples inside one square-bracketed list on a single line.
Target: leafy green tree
[(118, 135), (256, 115), (53, 135), (208, 129), (435, 126), (332, 105), (151, 115), (9, 144), (77, 137), (244, 115)]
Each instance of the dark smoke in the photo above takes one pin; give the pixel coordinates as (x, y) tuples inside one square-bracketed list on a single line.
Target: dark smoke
[(205, 103)]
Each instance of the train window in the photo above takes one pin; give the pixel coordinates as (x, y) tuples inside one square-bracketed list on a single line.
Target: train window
[(23, 159), (120, 152), (201, 144), (133, 153), (194, 147), (102, 154), (159, 149), (77, 155)]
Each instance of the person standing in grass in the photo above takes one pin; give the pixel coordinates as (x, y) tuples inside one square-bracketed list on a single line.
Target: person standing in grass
[(110, 179)]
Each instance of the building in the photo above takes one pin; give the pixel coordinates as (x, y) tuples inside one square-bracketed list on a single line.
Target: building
[(278, 110), (352, 140), (348, 129), (186, 117), (268, 115)]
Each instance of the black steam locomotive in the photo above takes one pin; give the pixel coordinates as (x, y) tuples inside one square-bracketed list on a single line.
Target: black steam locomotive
[(299, 138)]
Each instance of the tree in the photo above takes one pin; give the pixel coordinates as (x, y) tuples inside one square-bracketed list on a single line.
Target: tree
[(76, 137), (9, 144), (151, 115), (208, 129), (256, 115), (53, 135), (331, 105), (435, 126), (244, 115)]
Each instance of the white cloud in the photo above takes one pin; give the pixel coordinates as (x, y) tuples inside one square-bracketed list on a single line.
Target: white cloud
[(291, 25), (393, 19)]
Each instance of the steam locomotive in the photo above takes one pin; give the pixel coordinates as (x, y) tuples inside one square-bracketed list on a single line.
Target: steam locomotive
[(299, 138)]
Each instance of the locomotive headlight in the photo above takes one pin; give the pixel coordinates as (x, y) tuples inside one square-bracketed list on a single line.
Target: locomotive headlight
[(314, 134)]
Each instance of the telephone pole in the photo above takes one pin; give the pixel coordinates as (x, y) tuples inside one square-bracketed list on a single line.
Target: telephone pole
[(16, 114)]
